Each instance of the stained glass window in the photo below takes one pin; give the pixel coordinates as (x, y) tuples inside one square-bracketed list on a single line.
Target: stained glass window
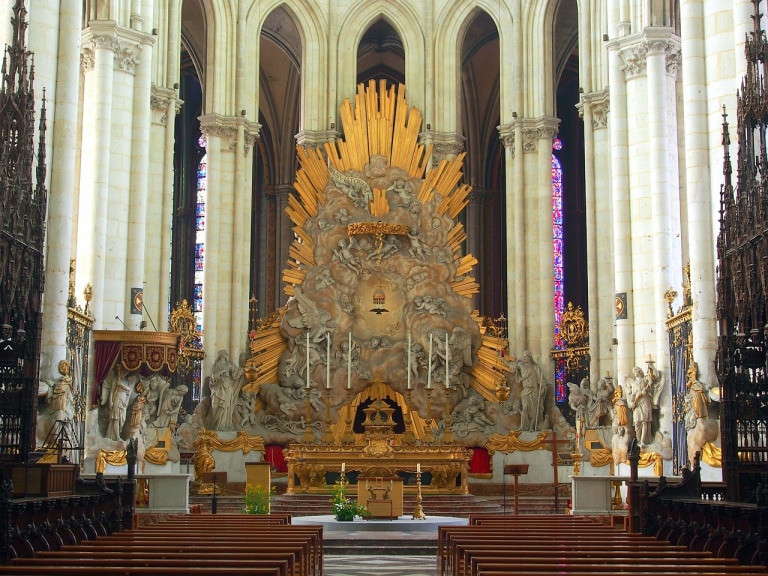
[(202, 189), (561, 391)]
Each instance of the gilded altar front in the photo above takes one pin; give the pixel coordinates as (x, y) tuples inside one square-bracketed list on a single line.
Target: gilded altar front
[(312, 468), (379, 452)]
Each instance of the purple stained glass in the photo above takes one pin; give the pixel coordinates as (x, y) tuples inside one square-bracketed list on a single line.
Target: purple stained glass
[(557, 260), (202, 193)]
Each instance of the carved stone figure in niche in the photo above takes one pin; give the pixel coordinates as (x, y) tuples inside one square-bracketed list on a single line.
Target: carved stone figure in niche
[(600, 401), (700, 428), (577, 400), (621, 435), (471, 417), (61, 394), (389, 246), (426, 303), (221, 384), (418, 247), (138, 410), (533, 393), (119, 396), (698, 397), (343, 253), (170, 406), (245, 409), (155, 388), (342, 216)]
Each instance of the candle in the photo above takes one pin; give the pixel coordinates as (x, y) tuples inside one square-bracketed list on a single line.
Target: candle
[(447, 361), (429, 366), (349, 362), (418, 468), (328, 360), (307, 359), (343, 466), (409, 361)]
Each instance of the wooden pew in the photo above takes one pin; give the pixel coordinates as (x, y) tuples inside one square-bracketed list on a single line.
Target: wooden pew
[(545, 546), (54, 570), (216, 544), (292, 565)]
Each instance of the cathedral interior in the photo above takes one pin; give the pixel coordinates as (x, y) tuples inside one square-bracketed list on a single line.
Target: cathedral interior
[(406, 240)]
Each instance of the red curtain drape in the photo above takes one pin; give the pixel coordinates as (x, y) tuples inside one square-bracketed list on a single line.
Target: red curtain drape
[(106, 354), (480, 462), (274, 455)]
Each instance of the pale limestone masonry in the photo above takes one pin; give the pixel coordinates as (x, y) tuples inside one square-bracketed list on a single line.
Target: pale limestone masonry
[(651, 101)]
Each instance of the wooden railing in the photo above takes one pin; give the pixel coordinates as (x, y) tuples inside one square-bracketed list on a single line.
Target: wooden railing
[(30, 525), (683, 515)]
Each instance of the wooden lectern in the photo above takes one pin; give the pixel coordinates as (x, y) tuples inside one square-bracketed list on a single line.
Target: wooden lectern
[(515, 470), (214, 476)]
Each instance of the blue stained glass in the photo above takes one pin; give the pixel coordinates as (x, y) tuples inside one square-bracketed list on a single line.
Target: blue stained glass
[(202, 193), (557, 260)]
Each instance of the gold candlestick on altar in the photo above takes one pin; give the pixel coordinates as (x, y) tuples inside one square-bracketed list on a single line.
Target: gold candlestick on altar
[(429, 438), (349, 436), (408, 436), (418, 514), (309, 437), (328, 434), (577, 456)]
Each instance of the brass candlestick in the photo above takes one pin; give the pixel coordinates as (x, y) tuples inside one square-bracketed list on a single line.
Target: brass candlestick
[(429, 438), (577, 456), (328, 434), (418, 514)]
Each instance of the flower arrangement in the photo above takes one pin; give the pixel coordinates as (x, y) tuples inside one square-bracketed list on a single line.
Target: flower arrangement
[(258, 499), (343, 507)]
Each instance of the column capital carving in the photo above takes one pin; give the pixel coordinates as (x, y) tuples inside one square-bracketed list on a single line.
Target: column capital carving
[(507, 135), (315, 138), (226, 127), (535, 129), (161, 98), (444, 144), (599, 103), (252, 134), (635, 49), (126, 44)]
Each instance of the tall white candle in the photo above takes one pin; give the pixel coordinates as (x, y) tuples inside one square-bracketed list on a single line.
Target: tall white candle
[(343, 466), (429, 366), (307, 359), (328, 360), (418, 468), (349, 362), (409, 361), (447, 361)]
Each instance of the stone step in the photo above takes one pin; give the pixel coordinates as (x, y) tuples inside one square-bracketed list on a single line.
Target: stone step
[(379, 547), (436, 505)]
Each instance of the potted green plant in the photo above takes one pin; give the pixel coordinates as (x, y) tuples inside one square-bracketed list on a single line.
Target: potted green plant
[(343, 507), (258, 499)]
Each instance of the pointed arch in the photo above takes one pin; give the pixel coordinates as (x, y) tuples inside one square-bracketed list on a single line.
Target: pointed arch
[(312, 24), (407, 24), (452, 23)]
